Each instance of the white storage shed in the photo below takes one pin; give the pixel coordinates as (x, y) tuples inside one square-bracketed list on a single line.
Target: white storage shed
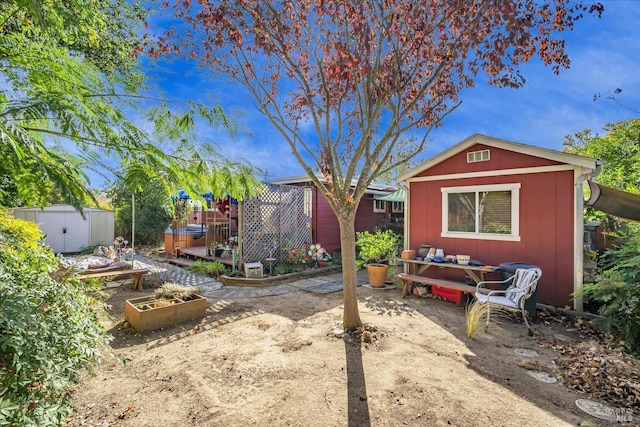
[(66, 231)]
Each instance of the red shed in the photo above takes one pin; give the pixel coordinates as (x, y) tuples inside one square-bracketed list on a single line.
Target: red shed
[(372, 213), (500, 201)]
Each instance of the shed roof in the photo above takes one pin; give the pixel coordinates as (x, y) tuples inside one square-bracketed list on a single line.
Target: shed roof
[(545, 153)]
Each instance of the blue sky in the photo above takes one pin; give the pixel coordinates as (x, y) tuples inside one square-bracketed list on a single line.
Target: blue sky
[(605, 55)]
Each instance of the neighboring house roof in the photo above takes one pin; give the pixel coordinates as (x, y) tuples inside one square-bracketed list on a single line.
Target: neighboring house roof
[(545, 153), (374, 188)]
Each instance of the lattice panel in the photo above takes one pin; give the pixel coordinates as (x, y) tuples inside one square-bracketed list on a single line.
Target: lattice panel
[(277, 220)]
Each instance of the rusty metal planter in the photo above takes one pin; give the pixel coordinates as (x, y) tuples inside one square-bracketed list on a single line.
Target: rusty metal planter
[(149, 313)]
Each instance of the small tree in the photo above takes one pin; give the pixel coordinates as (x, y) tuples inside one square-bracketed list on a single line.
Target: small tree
[(152, 211), (620, 151), (617, 283), (363, 74)]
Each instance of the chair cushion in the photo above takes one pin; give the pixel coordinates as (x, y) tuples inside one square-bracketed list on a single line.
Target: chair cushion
[(523, 279), (495, 299)]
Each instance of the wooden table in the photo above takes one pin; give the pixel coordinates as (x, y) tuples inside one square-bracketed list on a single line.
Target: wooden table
[(477, 273), (137, 276)]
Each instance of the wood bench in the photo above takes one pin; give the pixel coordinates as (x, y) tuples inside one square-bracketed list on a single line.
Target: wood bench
[(407, 279), (136, 273)]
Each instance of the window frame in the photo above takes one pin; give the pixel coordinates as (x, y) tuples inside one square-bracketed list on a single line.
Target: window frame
[(398, 209), (515, 212), (376, 209)]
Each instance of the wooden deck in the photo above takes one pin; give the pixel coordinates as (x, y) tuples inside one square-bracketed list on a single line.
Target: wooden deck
[(187, 256)]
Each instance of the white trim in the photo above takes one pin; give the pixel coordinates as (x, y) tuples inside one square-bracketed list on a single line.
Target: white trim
[(515, 212), (378, 210), (393, 207), (478, 236), (544, 153), (578, 249), (492, 173), (487, 187)]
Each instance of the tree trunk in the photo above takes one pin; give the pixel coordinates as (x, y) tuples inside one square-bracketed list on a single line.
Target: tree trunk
[(351, 317)]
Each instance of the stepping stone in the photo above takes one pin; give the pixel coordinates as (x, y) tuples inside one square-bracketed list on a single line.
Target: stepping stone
[(543, 377), (113, 284), (564, 338), (604, 412), (525, 352)]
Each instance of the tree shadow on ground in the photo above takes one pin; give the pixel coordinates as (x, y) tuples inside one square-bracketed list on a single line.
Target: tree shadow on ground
[(219, 312), (357, 405)]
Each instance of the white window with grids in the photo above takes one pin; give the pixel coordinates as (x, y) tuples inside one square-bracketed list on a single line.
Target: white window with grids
[(487, 212), (397, 207), (379, 206)]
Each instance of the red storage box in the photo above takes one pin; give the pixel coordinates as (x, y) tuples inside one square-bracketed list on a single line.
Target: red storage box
[(448, 294)]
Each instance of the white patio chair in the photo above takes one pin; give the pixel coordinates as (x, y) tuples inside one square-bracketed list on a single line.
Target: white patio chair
[(522, 285)]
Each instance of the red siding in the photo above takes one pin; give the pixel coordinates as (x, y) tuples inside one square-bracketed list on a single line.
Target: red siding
[(546, 221), (324, 224), (500, 159)]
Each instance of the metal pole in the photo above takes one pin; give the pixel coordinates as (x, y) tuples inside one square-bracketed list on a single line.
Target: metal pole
[(133, 229)]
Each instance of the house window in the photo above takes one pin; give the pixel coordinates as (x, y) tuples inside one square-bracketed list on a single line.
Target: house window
[(397, 207), (489, 212), (478, 156), (379, 206)]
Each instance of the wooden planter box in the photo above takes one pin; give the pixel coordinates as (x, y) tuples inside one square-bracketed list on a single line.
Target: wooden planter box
[(148, 313)]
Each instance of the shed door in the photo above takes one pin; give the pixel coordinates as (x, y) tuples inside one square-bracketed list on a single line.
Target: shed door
[(65, 231)]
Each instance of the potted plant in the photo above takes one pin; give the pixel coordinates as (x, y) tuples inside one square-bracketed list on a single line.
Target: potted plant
[(374, 250)]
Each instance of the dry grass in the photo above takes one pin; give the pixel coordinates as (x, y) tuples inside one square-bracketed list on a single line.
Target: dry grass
[(476, 316)]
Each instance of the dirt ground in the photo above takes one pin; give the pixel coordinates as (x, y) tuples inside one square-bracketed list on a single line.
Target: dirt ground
[(276, 361)]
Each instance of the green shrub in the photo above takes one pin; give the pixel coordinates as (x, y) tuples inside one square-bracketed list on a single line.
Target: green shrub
[(336, 258), (617, 288), (376, 247), (210, 268), (285, 269), (297, 256), (49, 328)]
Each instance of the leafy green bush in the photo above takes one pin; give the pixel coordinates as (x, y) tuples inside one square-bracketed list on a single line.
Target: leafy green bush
[(152, 211), (336, 258), (284, 269), (49, 329), (377, 247), (617, 288), (297, 256), (210, 268)]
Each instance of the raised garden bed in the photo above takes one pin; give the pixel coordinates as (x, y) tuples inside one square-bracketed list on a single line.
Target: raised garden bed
[(150, 313)]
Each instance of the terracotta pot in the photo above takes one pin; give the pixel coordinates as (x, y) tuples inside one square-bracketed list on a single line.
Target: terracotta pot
[(408, 254), (377, 274)]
